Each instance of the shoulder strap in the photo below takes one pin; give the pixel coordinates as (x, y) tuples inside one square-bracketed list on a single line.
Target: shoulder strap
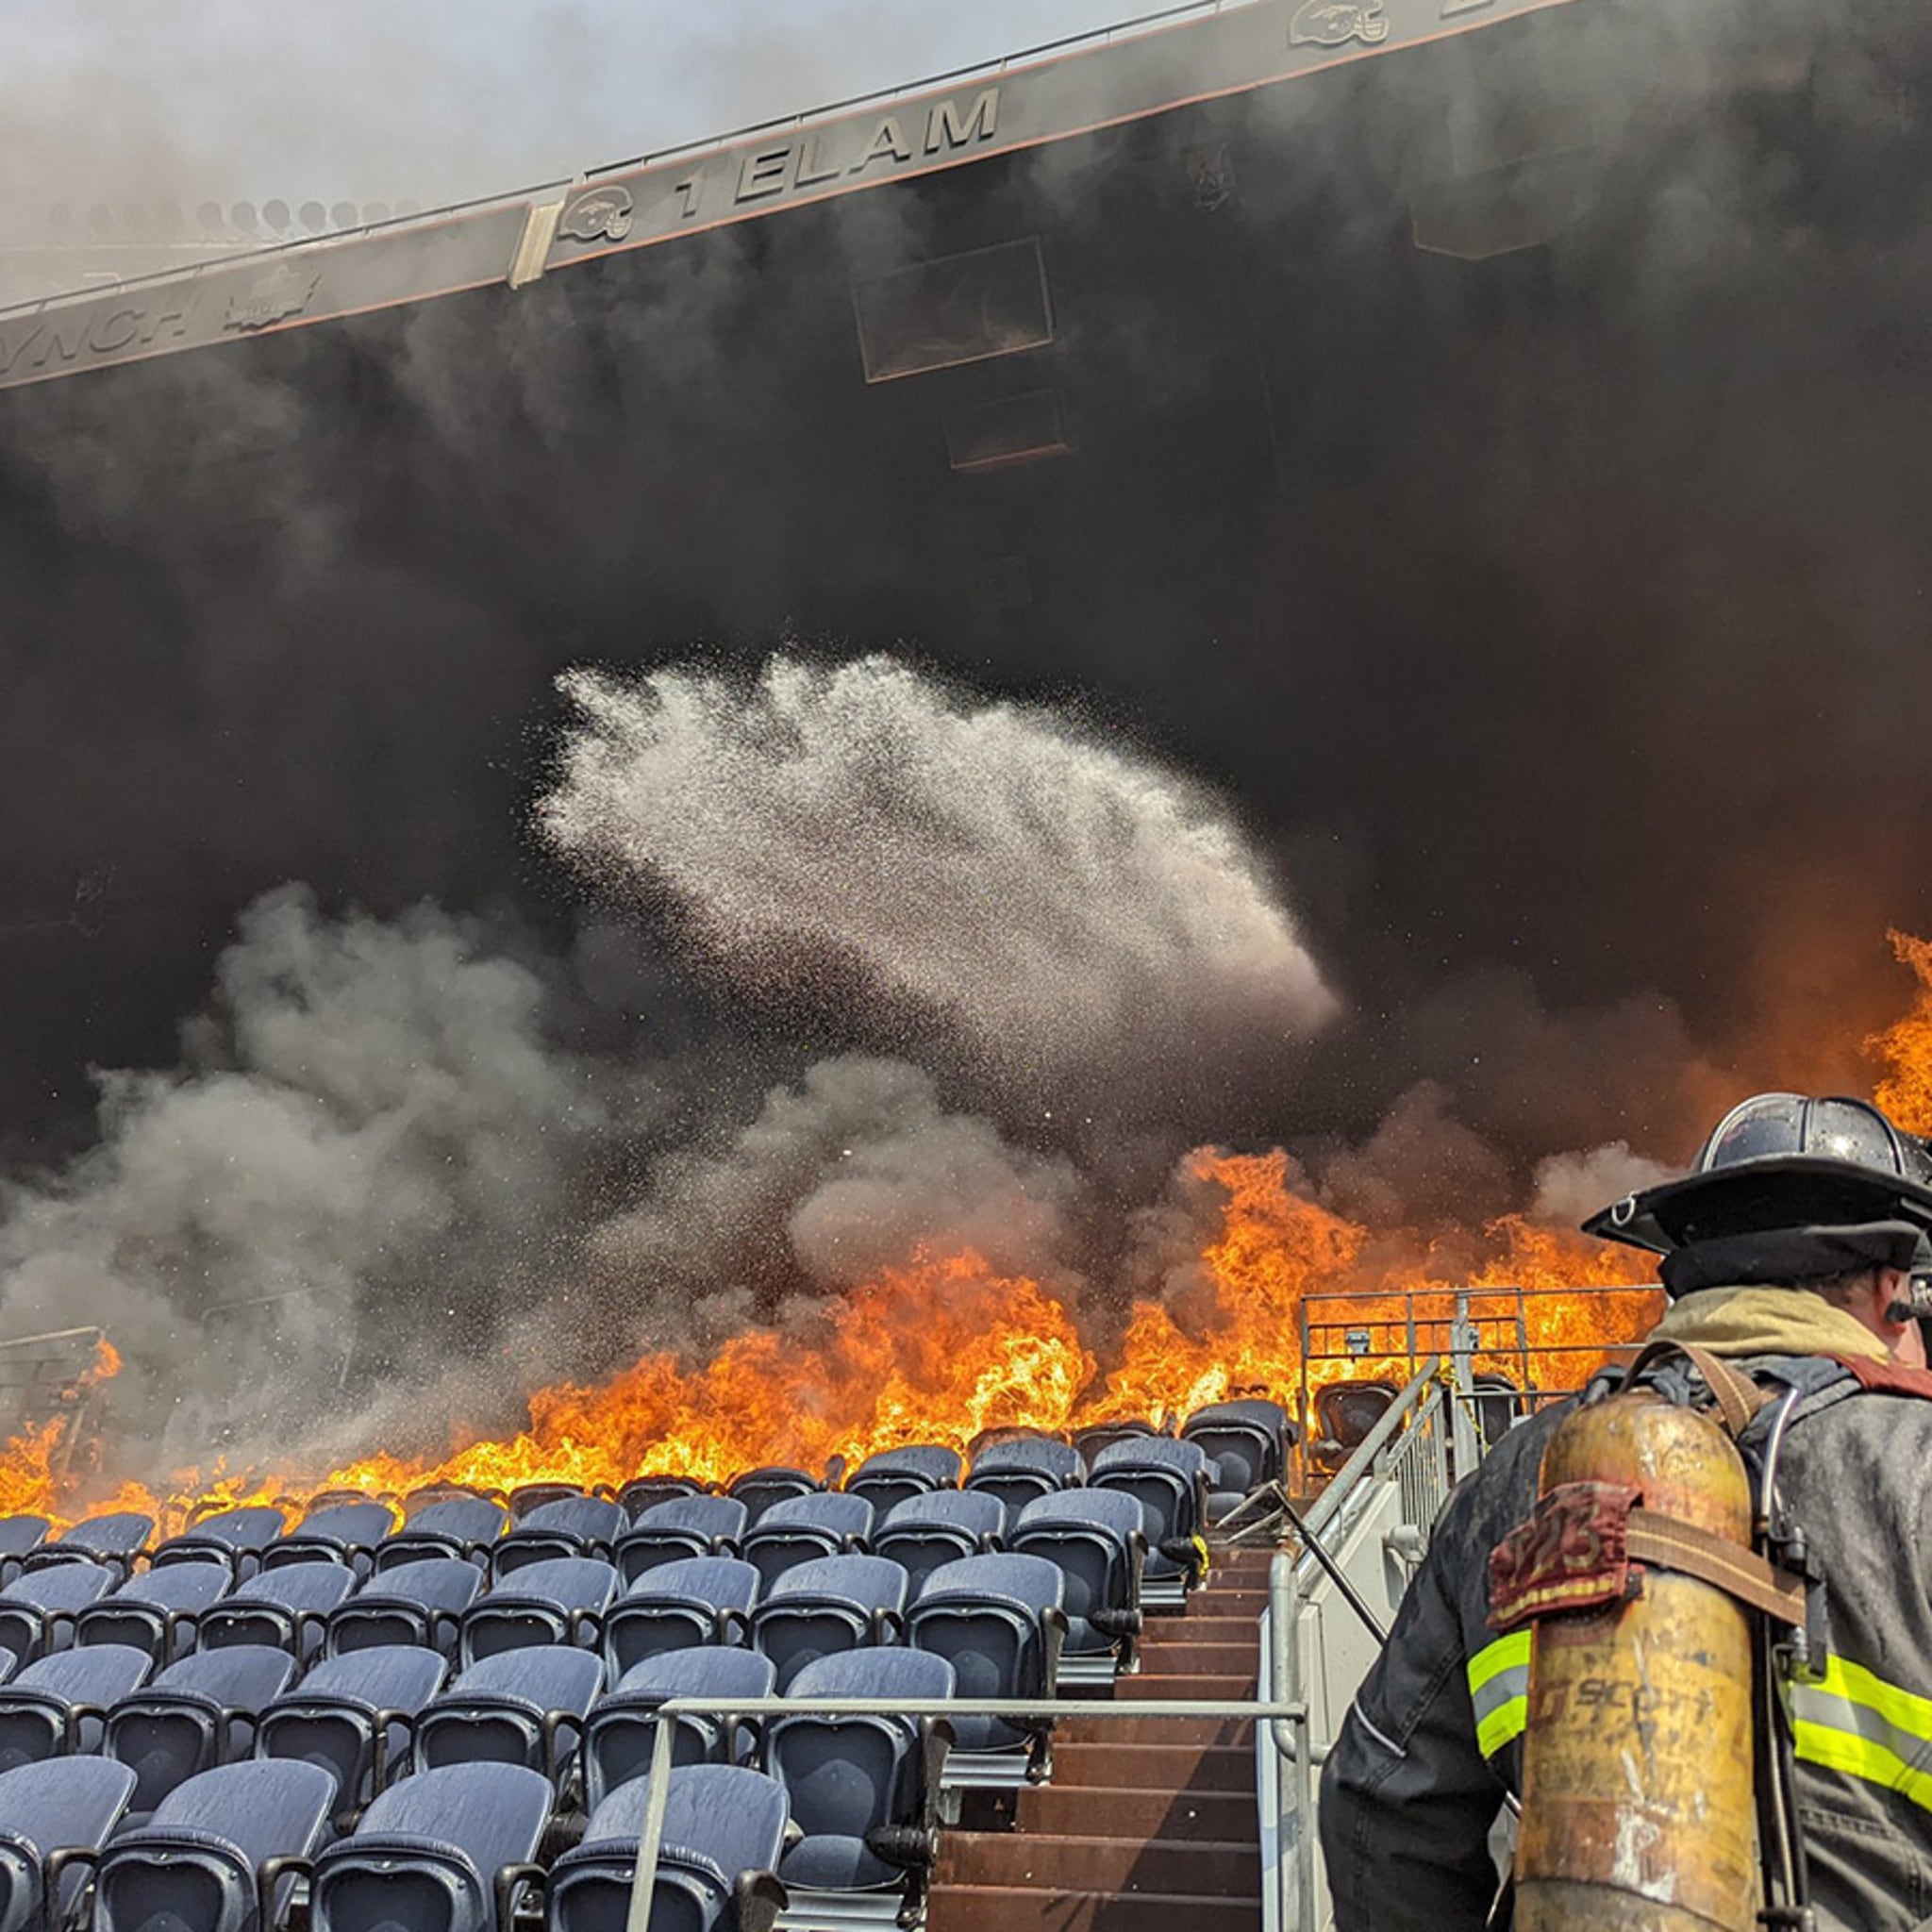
[(1738, 1397)]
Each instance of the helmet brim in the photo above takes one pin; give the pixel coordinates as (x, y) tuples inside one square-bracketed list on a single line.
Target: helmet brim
[(1776, 1190)]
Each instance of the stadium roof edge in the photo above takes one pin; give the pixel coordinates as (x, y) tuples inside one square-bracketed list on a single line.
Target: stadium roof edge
[(1176, 57)]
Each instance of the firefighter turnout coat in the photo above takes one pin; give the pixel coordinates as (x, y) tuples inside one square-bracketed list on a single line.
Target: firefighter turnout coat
[(1413, 1785)]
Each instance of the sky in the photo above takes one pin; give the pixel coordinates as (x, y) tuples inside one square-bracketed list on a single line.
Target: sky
[(438, 100)]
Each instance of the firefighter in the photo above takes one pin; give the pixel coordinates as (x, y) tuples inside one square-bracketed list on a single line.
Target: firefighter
[(1790, 1250)]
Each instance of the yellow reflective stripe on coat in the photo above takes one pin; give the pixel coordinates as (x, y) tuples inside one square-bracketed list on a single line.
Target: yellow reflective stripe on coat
[(1499, 1689), (1857, 1722)]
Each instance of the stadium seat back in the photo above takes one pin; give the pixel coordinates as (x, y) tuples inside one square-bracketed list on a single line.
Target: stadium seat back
[(759, 1489), (157, 1610), (195, 1715), (995, 1620), (39, 1710), (420, 1602), (336, 1717), (828, 1605), (622, 1731), (559, 1601), (72, 1802), (695, 1600), (570, 1526), (463, 1527), (519, 1706), (286, 1609), (680, 1526), (338, 1533)]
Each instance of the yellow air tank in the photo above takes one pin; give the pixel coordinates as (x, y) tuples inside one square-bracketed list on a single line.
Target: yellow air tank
[(1637, 1800)]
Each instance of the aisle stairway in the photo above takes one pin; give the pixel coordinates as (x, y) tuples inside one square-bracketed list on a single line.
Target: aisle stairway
[(1149, 1825)]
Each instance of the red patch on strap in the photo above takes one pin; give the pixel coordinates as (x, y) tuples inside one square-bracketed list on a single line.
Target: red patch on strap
[(1888, 1378), (1569, 1556)]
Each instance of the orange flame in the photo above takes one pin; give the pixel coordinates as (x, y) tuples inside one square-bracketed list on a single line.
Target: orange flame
[(1905, 1047)]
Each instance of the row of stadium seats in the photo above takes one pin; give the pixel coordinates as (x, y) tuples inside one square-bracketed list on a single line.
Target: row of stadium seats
[(454, 1850)]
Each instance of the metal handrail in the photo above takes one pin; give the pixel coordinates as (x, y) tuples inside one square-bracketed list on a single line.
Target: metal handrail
[(1361, 1460)]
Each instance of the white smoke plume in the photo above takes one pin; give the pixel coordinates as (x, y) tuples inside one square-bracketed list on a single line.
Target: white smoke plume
[(369, 1109), (1063, 904), (1570, 1186)]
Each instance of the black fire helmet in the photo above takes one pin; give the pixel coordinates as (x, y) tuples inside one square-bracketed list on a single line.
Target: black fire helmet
[(1787, 1187)]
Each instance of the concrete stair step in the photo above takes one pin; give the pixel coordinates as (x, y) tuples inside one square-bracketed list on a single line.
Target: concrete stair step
[(1101, 1864), (1206, 1628), (1166, 1765), (1148, 1683), (1180, 1656), (1157, 1730), (1096, 1811), (1004, 1908)]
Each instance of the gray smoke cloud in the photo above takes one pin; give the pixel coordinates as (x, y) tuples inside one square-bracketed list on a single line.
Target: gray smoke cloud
[(1065, 905), (367, 1110)]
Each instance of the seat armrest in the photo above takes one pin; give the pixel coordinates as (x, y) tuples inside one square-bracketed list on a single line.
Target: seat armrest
[(757, 1899), (508, 1885), (269, 1876)]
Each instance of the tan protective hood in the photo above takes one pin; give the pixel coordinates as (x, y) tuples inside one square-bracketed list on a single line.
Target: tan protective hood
[(1766, 1320)]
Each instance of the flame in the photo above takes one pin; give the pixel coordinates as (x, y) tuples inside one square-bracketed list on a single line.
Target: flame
[(1286, 1297)]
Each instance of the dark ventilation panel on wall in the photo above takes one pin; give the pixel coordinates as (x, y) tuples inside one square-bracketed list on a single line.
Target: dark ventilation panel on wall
[(1015, 430), (957, 309)]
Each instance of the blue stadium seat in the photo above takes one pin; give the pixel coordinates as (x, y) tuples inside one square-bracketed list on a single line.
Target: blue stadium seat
[(414, 1602), (1246, 1441), (562, 1600), (338, 1531), (72, 1806), (116, 1539), (1169, 1478), (724, 1832), (234, 1536), (286, 1609), (193, 1716), (622, 1731), (893, 1475), (863, 1791), (643, 1491), (828, 1605), (924, 1531), (57, 1707), (758, 1488), (680, 1526), (1097, 1539), (827, 1524), (41, 1608), (353, 1716), (520, 1706), (570, 1526), (695, 1600), (460, 1526), (998, 1621), (444, 1851), (1097, 1438), (157, 1611), (221, 1854), (20, 1536), (1020, 1469)]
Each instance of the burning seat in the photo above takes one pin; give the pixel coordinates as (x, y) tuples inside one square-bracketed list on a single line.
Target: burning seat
[(828, 1524), (570, 1526), (829, 1604), (758, 1488), (1018, 1469), (70, 1806), (116, 1539), (57, 1707), (351, 1716), (158, 1612), (559, 1601), (695, 1600), (234, 1536), (337, 1532), (287, 1609), (643, 1491), (193, 1716), (680, 1526), (998, 1621), (519, 1706), (863, 1791), (1345, 1412), (622, 1727), (723, 1831), (218, 1853), (413, 1602), (1168, 1479), (893, 1475), (1247, 1441), (924, 1531), (462, 1526), (448, 1850), (1097, 1541), (40, 1609)]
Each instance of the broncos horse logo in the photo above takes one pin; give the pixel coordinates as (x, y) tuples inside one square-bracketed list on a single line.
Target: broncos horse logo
[(1334, 22)]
